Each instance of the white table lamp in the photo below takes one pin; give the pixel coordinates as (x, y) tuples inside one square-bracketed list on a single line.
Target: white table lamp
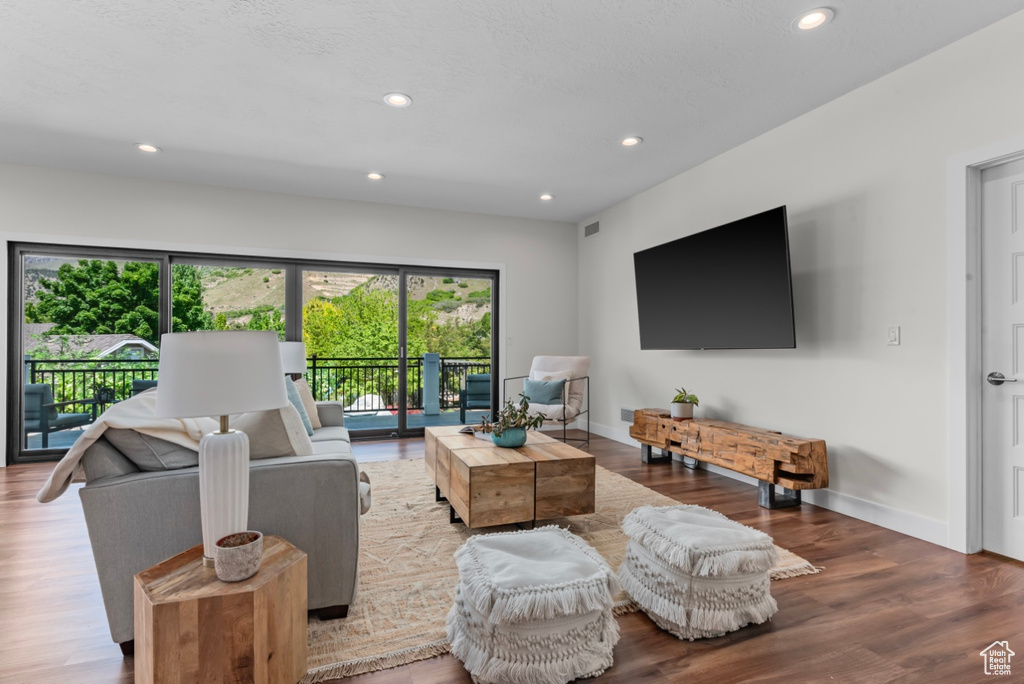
[(219, 373), (293, 358)]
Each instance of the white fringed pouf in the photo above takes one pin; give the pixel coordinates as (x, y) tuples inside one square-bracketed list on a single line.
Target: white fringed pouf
[(695, 572), (532, 607)]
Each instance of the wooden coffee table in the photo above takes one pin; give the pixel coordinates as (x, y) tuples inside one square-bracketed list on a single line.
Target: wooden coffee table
[(488, 485)]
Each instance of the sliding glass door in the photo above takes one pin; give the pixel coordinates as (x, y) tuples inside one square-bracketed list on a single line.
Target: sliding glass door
[(350, 327), (89, 324), (448, 342), (400, 348), (395, 346)]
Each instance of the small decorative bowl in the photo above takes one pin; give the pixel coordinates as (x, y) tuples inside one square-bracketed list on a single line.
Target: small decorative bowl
[(237, 556)]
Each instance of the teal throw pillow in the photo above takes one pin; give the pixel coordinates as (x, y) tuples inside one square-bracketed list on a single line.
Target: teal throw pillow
[(544, 391), (296, 400)]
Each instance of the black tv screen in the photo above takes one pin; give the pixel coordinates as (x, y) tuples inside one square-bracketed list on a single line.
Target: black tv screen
[(724, 288)]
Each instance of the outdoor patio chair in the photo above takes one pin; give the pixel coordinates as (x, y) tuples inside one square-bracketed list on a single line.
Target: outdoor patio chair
[(475, 394), (41, 413), (575, 400), (139, 386)]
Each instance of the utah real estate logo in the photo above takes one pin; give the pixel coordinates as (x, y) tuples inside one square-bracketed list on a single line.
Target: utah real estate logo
[(997, 658)]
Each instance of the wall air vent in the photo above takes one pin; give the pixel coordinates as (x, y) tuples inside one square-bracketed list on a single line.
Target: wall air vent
[(592, 229)]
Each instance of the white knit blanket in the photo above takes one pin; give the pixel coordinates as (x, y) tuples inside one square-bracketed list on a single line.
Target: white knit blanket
[(139, 414)]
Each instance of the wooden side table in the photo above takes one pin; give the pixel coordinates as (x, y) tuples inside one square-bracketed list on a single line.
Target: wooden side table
[(191, 627)]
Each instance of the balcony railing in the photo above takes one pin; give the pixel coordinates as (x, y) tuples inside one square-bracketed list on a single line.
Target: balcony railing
[(364, 384), (83, 379)]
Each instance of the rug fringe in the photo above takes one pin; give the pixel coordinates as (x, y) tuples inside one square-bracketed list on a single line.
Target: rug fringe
[(796, 571), (385, 661), (624, 607)]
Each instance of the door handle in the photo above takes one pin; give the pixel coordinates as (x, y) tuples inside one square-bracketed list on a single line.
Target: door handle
[(996, 378)]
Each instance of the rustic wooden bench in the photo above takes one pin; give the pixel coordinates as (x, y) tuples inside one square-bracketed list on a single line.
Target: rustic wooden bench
[(772, 458)]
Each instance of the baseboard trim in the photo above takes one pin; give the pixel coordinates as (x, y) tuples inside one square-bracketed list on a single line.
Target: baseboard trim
[(904, 522), (614, 434)]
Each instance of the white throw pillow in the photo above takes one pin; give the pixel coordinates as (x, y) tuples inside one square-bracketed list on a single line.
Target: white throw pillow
[(555, 411), (551, 375), (306, 395), (277, 432)]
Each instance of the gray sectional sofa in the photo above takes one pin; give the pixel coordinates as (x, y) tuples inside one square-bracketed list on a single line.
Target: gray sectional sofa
[(138, 516)]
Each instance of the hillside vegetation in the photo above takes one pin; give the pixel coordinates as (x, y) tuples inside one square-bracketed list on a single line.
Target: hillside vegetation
[(344, 314)]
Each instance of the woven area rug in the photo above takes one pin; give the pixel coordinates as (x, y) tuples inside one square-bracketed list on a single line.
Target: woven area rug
[(407, 571)]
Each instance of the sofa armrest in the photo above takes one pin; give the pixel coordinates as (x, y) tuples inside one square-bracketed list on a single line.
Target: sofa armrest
[(331, 413), (138, 520)]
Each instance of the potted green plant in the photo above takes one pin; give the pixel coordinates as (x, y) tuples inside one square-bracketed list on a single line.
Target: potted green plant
[(508, 429), (104, 393), (682, 405)]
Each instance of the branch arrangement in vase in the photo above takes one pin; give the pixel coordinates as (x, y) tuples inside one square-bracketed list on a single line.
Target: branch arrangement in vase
[(512, 416)]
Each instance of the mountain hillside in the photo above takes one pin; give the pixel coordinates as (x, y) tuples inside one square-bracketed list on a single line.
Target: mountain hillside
[(238, 292)]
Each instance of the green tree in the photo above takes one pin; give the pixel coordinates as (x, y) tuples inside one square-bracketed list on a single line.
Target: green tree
[(369, 320), (32, 313), (267, 320), (187, 311), (364, 324), (94, 297), (321, 323)]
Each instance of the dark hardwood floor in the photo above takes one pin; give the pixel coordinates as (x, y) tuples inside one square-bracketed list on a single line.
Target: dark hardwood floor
[(887, 608)]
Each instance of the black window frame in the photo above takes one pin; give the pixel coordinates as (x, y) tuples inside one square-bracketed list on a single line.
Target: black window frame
[(292, 266)]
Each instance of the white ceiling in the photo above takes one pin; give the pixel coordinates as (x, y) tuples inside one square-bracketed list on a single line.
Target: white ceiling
[(512, 98)]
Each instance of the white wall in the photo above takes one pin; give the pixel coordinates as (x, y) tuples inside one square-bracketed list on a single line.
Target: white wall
[(536, 258), (864, 178)]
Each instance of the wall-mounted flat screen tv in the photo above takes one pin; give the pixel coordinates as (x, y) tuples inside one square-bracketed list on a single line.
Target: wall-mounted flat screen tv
[(728, 287)]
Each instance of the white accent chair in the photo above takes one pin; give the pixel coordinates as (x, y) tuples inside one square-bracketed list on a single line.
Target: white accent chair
[(575, 396)]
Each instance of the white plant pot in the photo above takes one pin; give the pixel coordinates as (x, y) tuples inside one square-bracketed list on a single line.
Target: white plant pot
[(236, 563), (681, 411)]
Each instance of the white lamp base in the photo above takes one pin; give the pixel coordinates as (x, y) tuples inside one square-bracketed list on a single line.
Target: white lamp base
[(223, 487)]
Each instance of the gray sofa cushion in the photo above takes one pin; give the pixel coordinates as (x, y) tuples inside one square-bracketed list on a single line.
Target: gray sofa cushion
[(151, 453), (330, 434), (122, 451), (333, 446), (102, 460)]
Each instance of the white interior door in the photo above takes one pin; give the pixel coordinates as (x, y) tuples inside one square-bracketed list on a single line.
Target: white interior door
[(1003, 352)]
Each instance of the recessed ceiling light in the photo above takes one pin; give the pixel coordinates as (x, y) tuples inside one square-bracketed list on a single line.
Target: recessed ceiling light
[(373, 175), (146, 147), (397, 100), (547, 197), (632, 141), (815, 18)]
